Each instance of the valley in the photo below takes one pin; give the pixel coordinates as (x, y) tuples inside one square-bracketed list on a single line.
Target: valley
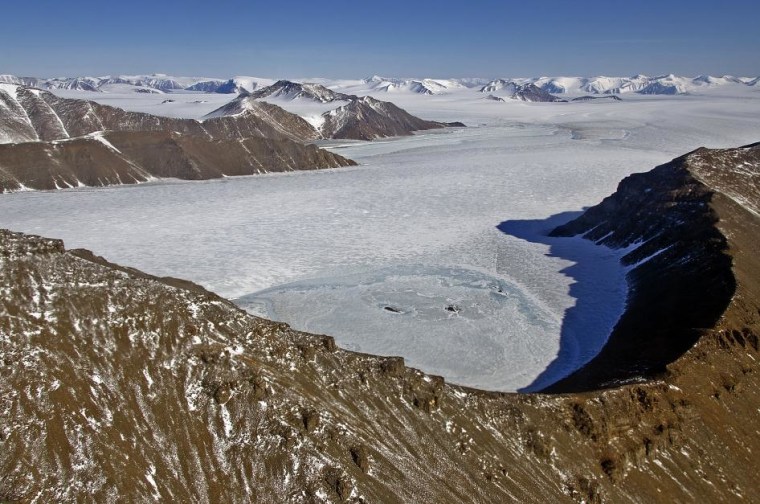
[(442, 218)]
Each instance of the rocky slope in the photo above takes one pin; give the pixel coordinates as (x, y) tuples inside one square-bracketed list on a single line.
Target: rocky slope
[(48, 142), (129, 157), (352, 118), (419, 86), (115, 385), (367, 118), (680, 272), (293, 90), (28, 115)]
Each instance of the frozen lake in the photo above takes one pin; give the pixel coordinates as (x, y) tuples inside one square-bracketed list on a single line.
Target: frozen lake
[(432, 249)]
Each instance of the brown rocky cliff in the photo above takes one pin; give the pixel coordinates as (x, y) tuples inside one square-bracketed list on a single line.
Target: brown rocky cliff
[(115, 385), (681, 278)]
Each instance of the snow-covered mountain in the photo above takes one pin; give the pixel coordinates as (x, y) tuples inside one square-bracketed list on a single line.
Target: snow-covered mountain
[(209, 86), (501, 88), (138, 83), (420, 86), (235, 85), (329, 114), (709, 80), (367, 118), (288, 90), (662, 85), (76, 84), (663, 88)]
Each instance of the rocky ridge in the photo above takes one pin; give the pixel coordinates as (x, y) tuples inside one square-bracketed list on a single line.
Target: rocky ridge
[(419, 86), (119, 385), (48, 142), (354, 118), (679, 264), (293, 90)]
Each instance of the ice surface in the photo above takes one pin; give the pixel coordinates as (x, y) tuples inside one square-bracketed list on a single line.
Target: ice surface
[(185, 105), (434, 248)]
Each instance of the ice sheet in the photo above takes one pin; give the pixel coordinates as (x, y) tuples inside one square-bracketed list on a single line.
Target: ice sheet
[(185, 105)]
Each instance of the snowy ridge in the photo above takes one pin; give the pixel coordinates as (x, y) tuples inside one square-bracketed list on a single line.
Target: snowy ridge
[(51, 143), (159, 82), (420, 86), (235, 85), (500, 89), (664, 84)]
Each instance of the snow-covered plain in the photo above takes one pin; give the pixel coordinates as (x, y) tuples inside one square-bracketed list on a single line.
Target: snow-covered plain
[(434, 248)]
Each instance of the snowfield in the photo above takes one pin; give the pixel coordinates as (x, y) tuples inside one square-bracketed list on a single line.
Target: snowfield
[(434, 248)]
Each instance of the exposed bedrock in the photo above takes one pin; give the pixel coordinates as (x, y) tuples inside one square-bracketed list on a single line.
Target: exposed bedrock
[(675, 225)]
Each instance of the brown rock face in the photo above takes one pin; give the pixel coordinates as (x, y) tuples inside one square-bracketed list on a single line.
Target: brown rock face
[(68, 143), (131, 157), (115, 385), (367, 118), (681, 277)]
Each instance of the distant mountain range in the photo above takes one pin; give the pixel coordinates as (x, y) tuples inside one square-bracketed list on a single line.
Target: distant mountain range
[(160, 83), (663, 84), (542, 88)]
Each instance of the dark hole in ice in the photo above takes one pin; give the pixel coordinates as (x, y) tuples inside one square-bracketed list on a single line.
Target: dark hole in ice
[(452, 308)]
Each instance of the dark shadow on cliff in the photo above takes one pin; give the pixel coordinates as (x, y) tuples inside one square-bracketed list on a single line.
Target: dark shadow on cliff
[(585, 326)]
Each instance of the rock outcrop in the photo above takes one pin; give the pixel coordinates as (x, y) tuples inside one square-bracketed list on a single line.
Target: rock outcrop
[(116, 385)]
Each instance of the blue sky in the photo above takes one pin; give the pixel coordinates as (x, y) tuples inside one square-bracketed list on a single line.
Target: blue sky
[(354, 39)]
